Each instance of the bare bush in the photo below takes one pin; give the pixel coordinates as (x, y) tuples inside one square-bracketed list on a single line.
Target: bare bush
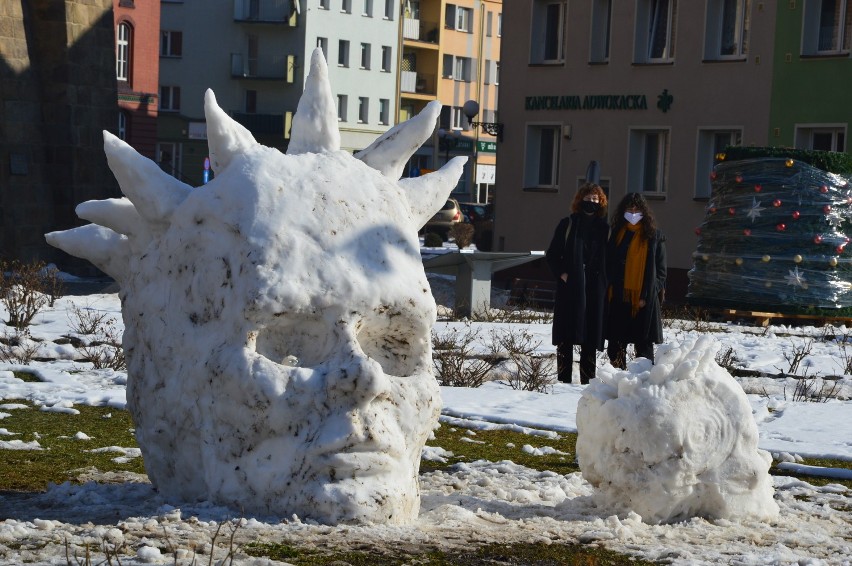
[(798, 354), (455, 361), (462, 233), (529, 370), (18, 346), (810, 388), (687, 318), (26, 288), (727, 358), (105, 350), (87, 320)]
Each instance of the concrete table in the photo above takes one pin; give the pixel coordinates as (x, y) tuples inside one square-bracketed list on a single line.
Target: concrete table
[(473, 270)]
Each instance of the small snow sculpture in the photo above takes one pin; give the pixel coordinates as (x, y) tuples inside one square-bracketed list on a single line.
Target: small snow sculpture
[(674, 440), (278, 319)]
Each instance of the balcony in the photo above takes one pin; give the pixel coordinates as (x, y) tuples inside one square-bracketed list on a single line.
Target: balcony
[(280, 12), (269, 68), (419, 83), (420, 30)]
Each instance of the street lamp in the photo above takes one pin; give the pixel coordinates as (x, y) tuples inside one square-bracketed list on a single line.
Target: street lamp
[(471, 109), (447, 140)]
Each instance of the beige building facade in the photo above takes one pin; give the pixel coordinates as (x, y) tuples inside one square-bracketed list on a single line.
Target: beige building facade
[(650, 89)]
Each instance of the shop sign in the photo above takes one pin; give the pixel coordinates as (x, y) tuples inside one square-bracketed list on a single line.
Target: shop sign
[(587, 102), (486, 147)]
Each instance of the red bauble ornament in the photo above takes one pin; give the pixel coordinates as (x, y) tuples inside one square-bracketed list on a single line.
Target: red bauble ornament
[(840, 248), (817, 239), (757, 188), (747, 232), (713, 210), (713, 175), (781, 227), (823, 189), (796, 214), (739, 178), (732, 211), (776, 203), (698, 231), (826, 209)]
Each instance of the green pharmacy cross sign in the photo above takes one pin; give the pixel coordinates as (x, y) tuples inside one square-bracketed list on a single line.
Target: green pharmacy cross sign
[(486, 147)]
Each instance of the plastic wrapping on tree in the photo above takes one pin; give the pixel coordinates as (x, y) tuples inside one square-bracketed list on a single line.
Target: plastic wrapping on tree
[(775, 237)]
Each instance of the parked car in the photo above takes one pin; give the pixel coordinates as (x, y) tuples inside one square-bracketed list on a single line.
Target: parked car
[(482, 217), (444, 219)]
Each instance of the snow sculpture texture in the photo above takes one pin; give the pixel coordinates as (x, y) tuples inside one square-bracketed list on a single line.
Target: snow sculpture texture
[(278, 319), (674, 440)]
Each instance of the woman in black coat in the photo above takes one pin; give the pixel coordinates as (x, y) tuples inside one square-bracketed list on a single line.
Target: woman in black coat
[(576, 257), (636, 272)]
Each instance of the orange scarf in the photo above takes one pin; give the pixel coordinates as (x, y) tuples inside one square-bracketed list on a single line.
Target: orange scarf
[(634, 268)]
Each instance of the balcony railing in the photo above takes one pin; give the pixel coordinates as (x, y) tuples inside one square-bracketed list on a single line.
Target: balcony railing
[(419, 83), (264, 11), (420, 30), (263, 68)]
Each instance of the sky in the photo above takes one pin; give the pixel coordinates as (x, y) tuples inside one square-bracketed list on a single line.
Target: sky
[(472, 502)]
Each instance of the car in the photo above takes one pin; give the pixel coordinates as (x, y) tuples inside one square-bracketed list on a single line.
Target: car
[(444, 219), (481, 215)]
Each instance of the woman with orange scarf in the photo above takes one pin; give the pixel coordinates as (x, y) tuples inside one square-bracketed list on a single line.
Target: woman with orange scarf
[(636, 274)]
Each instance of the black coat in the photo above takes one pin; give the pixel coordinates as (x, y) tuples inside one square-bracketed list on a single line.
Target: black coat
[(578, 315), (647, 325)]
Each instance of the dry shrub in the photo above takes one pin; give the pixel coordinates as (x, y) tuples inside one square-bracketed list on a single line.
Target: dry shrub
[(462, 233), (456, 362), (26, 288), (528, 370)]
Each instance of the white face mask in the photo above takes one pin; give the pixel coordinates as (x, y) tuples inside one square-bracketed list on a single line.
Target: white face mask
[(633, 217)]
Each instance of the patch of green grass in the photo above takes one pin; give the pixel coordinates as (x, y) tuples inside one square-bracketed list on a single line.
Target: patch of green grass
[(32, 470), (816, 480), (27, 376), (538, 554), (493, 445)]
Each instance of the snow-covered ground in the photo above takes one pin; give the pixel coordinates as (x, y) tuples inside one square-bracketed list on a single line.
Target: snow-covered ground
[(474, 502)]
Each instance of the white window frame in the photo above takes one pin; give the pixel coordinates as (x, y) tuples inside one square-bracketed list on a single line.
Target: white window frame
[(343, 53), (368, 9), (709, 144), (649, 15), (500, 24), (457, 68), (342, 107), (167, 43), (804, 135), (458, 121), (813, 28), (167, 98), (389, 5), (123, 42), (733, 16), (384, 111), (464, 19), (174, 166), (365, 56), (535, 159), (363, 110), (548, 32), (641, 141), (387, 58), (601, 31)]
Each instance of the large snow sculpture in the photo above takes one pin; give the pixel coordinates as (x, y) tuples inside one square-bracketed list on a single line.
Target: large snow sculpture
[(674, 440), (278, 319)]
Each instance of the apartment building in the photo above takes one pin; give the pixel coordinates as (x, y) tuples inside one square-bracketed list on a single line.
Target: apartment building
[(652, 90), (253, 54), (137, 45), (451, 53)]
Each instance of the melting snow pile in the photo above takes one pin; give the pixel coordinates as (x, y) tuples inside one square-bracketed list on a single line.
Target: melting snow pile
[(674, 440), (277, 320)]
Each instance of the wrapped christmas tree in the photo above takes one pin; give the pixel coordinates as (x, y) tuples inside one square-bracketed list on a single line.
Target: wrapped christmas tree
[(776, 233)]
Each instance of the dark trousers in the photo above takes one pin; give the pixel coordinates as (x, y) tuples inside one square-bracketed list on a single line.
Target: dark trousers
[(617, 352), (565, 362)]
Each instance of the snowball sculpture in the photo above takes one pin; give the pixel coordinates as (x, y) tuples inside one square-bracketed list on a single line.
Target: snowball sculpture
[(674, 440), (278, 319)]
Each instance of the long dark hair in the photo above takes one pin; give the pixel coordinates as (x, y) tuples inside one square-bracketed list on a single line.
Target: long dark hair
[(586, 189), (630, 200)]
